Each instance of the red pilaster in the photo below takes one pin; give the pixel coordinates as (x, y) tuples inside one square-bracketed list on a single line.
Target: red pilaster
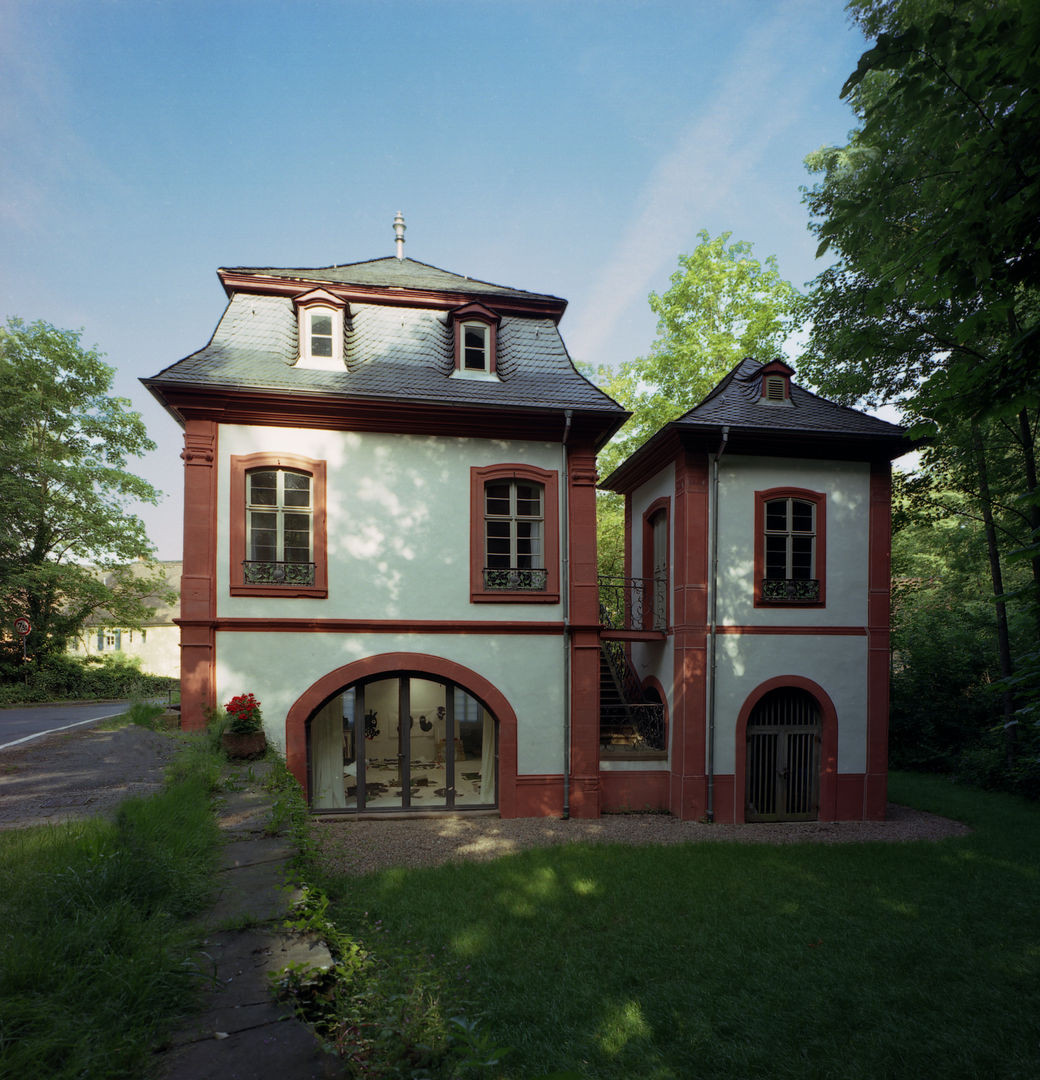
[(583, 616), (198, 580), (688, 797), (878, 644)]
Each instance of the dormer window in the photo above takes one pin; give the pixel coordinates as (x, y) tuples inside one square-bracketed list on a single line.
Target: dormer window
[(320, 320), (773, 388), (476, 340), (320, 316), (475, 353), (776, 384)]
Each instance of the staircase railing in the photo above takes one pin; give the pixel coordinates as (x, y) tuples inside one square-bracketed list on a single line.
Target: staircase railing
[(628, 722)]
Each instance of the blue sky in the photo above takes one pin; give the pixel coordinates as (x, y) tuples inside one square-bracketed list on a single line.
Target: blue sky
[(573, 148)]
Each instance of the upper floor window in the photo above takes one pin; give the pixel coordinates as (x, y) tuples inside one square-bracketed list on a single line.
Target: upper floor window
[(476, 341), (320, 316), (514, 534), (789, 547), (278, 545), (279, 539)]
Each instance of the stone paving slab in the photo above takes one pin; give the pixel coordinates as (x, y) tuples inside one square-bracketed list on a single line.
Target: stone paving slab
[(241, 1031)]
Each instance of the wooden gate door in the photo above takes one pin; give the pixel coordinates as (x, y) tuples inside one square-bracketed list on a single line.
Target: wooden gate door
[(783, 757)]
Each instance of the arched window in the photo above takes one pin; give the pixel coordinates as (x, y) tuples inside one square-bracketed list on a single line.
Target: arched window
[(790, 550), (402, 741)]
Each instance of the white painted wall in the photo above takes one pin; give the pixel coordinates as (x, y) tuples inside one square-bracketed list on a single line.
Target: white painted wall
[(847, 487), (838, 664), (398, 523), (527, 669)]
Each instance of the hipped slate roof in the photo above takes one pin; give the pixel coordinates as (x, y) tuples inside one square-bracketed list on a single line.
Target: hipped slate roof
[(804, 425), (737, 401), (391, 351)]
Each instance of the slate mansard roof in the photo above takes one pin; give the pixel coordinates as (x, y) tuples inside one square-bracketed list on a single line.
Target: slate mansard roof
[(398, 341), (803, 425)]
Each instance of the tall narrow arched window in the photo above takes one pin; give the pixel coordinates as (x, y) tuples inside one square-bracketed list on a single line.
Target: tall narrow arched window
[(790, 552), (279, 526), (514, 534), (278, 542)]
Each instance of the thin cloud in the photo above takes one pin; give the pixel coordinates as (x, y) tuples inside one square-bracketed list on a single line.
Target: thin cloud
[(754, 104)]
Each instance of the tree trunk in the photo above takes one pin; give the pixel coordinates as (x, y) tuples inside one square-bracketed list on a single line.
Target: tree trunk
[(1003, 639), (1033, 509)]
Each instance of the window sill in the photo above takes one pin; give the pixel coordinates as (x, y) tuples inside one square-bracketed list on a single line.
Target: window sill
[(315, 592), (514, 596)]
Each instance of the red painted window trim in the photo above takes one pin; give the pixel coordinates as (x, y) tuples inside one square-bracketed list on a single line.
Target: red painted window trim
[(549, 480), (663, 504), (476, 313), (819, 500), (240, 465)]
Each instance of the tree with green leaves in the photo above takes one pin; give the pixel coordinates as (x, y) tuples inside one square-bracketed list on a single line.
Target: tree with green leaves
[(721, 305), (66, 490), (933, 213)]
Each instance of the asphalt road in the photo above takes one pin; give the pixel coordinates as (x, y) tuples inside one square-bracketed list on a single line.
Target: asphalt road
[(27, 722)]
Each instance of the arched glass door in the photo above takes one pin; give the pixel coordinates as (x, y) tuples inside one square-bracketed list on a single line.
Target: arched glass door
[(402, 742)]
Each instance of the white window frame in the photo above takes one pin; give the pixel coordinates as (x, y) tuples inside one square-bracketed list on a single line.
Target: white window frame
[(279, 509), (789, 532), (514, 517), (485, 348), (319, 304)]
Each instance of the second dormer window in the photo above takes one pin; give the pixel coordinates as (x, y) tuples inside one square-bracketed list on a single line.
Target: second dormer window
[(321, 316), (475, 353), (321, 321), (475, 328)]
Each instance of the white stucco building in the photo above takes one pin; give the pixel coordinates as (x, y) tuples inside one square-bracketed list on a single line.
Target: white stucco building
[(390, 540)]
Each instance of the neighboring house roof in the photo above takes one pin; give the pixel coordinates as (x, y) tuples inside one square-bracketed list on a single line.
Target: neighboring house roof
[(399, 348), (164, 613), (802, 425)]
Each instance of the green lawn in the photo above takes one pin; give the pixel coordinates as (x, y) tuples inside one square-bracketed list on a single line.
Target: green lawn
[(718, 960), (95, 933)]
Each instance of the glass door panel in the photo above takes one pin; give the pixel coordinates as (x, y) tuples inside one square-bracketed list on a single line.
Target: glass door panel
[(383, 745), (427, 738)]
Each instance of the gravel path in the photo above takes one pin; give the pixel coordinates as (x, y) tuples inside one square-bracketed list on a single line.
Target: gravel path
[(80, 774), (352, 846)]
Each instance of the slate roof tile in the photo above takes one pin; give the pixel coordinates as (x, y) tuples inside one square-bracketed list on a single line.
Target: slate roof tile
[(401, 353), (393, 272)]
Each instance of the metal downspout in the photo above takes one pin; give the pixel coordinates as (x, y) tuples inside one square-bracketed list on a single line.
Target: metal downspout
[(566, 594), (710, 810)]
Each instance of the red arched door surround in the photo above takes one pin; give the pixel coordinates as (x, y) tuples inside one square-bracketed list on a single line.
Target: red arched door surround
[(421, 664), (828, 743)]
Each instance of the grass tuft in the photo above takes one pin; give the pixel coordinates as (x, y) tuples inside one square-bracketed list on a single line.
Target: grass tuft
[(94, 963), (735, 961)]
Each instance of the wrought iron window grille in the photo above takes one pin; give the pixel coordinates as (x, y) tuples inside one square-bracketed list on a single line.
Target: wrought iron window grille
[(255, 572), (779, 590), (530, 580)]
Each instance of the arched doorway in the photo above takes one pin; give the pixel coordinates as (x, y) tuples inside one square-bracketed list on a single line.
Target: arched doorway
[(783, 736), (402, 740)]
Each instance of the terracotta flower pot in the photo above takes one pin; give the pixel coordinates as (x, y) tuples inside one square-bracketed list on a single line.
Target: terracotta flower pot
[(242, 747)]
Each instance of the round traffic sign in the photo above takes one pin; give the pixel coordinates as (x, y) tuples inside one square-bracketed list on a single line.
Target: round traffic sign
[(22, 626)]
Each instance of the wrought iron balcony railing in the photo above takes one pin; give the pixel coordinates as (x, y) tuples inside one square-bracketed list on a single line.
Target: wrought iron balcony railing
[(633, 603), (781, 590), (255, 572), (531, 580)]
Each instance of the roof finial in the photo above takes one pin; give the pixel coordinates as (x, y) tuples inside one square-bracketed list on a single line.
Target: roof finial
[(399, 227)]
